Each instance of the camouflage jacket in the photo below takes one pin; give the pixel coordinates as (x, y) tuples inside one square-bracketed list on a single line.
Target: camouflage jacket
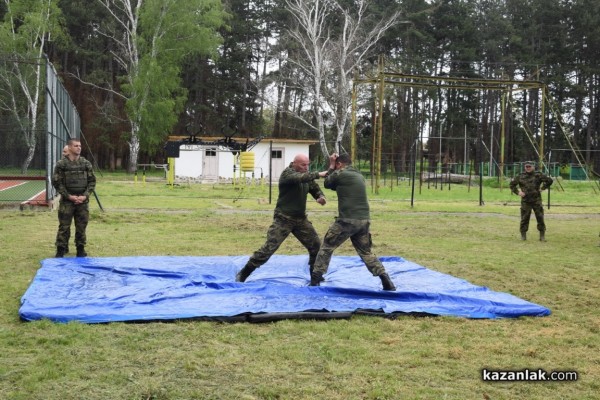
[(293, 189), (531, 184), (74, 177)]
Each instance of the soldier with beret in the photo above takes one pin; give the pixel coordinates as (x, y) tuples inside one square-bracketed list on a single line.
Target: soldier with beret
[(529, 185)]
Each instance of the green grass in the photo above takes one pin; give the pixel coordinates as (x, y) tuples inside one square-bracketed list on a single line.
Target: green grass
[(360, 358)]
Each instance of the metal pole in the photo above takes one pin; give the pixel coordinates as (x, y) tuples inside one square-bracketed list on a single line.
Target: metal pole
[(491, 151), (100, 205), (542, 129), (465, 158), (502, 138), (270, 171), (414, 171), (441, 134), (481, 184), (421, 163), (353, 126), (379, 125)]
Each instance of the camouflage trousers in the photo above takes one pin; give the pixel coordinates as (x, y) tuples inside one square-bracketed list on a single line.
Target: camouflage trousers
[(538, 210), (67, 212), (357, 230), (279, 230)]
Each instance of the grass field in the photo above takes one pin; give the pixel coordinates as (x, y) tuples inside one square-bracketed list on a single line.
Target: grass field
[(360, 358)]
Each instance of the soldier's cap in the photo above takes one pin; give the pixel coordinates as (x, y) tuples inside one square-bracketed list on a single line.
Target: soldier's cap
[(529, 163)]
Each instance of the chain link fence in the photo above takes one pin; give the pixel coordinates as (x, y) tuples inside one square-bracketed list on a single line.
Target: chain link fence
[(28, 156), (22, 180)]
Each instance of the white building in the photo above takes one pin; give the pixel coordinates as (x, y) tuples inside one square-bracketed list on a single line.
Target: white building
[(211, 163)]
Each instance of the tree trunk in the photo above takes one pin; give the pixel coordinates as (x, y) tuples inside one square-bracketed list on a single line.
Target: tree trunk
[(134, 150)]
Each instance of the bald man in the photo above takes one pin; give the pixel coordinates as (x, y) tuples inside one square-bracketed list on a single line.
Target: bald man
[(295, 183)]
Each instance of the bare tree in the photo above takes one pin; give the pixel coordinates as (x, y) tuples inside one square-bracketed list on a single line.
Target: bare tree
[(152, 38), (328, 60), (27, 27)]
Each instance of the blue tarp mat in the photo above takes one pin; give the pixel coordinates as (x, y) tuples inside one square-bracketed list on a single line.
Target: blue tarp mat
[(97, 290)]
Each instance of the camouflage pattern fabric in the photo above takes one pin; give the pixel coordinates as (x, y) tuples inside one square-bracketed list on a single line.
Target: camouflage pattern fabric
[(531, 183), (358, 231), (73, 178), (538, 210), (279, 230), (67, 211)]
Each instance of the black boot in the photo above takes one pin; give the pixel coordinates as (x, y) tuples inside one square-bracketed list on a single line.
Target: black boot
[(542, 236), (60, 252), (316, 278), (523, 236), (387, 282), (244, 273), (81, 251)]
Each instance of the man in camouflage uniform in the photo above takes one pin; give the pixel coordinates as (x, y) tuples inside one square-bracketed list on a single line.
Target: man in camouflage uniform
[(65, 153), (528, 185), (353, 221), (295, 183), (75, 181)]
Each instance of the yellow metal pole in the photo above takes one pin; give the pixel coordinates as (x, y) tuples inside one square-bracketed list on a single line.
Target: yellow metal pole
[(171, 174), (542, 130), (379, 125), (353, 126), (502, 137)]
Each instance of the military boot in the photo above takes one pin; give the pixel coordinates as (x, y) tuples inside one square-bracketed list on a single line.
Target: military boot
[(316, 278), (81, 251), (387, 283), (60, 252), (542, 236), (244, 273), (523, 236)]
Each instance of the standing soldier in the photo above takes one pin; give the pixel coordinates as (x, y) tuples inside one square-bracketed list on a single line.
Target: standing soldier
[(353, 221), (75, 181), (65, 153), (528, 185), (295, 183)]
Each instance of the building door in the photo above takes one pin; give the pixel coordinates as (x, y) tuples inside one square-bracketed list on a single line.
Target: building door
[(277, 163), (210, 164)]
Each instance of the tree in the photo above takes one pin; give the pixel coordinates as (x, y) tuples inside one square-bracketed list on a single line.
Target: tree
[(334, 40), (152, 40), (25, 30)]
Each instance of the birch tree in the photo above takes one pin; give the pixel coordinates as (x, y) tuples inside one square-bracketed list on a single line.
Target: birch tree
[(330, 55), (152, 39), (25, 30)]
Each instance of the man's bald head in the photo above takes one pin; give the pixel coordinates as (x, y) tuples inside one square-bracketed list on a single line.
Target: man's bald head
[(301, 163)]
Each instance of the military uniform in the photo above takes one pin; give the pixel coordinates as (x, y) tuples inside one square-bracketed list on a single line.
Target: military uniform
[(531, 183), (73, 178), (353, 222), (289, 217)]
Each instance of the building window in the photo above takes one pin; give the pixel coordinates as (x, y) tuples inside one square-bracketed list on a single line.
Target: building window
[(276, 154)]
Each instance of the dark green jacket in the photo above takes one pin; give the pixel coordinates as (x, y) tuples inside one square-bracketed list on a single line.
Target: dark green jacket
[(74, 177), (293, 188), (531, 183), (351, 189)]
